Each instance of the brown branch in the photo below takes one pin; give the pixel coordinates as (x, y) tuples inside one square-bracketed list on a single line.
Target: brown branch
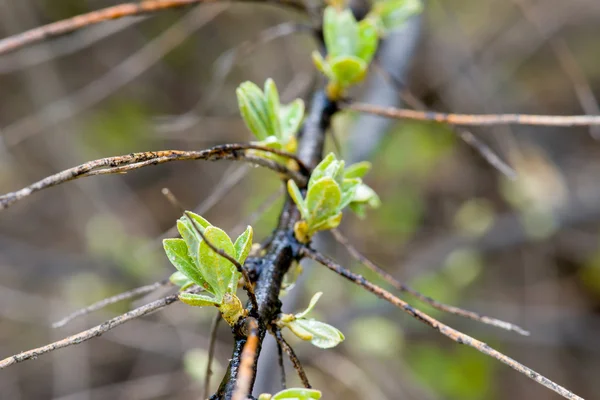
[(211, 353), (445, 330), (247, 362), (111, 300), (293, 357), (425, 299), (125, 163), (476, 119), (98, 330)]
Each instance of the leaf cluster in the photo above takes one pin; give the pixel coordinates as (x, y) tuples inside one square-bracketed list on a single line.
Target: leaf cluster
[(330, 189), (351, 45), (198, 264), (275, 125)]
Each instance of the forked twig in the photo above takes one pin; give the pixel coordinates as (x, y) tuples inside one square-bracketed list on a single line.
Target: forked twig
[(247, 361), (211, 353), (415, 293), (292, 355), (111, 300), (125, 163), (476, 119), (98, 330), (445, 330)]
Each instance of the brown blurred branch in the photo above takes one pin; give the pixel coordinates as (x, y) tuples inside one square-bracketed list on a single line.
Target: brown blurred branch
[(247, 362), (444, 329), (77, 22), (476, 119), (125, 163)]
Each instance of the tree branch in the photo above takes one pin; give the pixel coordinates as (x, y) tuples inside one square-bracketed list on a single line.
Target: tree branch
[(476, 119), (125, 163), (445, 330), (93, 332)]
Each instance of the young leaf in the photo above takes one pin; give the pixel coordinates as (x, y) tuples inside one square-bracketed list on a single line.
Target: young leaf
[(177, 252), (252, 109), (299, 331), (217, 270), (349, 188), (243, 245), (290, 118), (330, 223), (394, 13), (197, 300), (323, 200), (348, 70), (358, 170), (272, 108), (322, 65), (297, 394), (324, 335), (340, 31), (311, 305), (296, 195), (368, 40), (320, 170), (179, 279)]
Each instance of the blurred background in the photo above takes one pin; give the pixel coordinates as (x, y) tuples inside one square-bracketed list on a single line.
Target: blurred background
[(524, 250)]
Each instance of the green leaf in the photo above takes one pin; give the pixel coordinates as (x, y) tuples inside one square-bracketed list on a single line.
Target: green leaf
[(252, 109), (322, 65), (272, 107), (297, 394), (324, 335), (349, 188), (296, 195), (177, 252), (179, 279), (311, 305), (197, 300), (290, 118), (299, 331), (368, 40), (364, 194), (340, 31), (330, 223), (323, 200), (321, 168), (217, 270), (198, 219), (357, 170), (348, 70), (394, 13), (190, 236), (243, 245)]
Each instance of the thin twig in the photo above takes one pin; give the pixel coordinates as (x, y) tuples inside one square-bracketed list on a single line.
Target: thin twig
[(211, 353), (476, 119), (469, 138), (111, 300), (125, 163), (425, 299), (247, 361), (445, 330), (568, 63), (292, 355), (95, 331), (281, 365), (240, 268)]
